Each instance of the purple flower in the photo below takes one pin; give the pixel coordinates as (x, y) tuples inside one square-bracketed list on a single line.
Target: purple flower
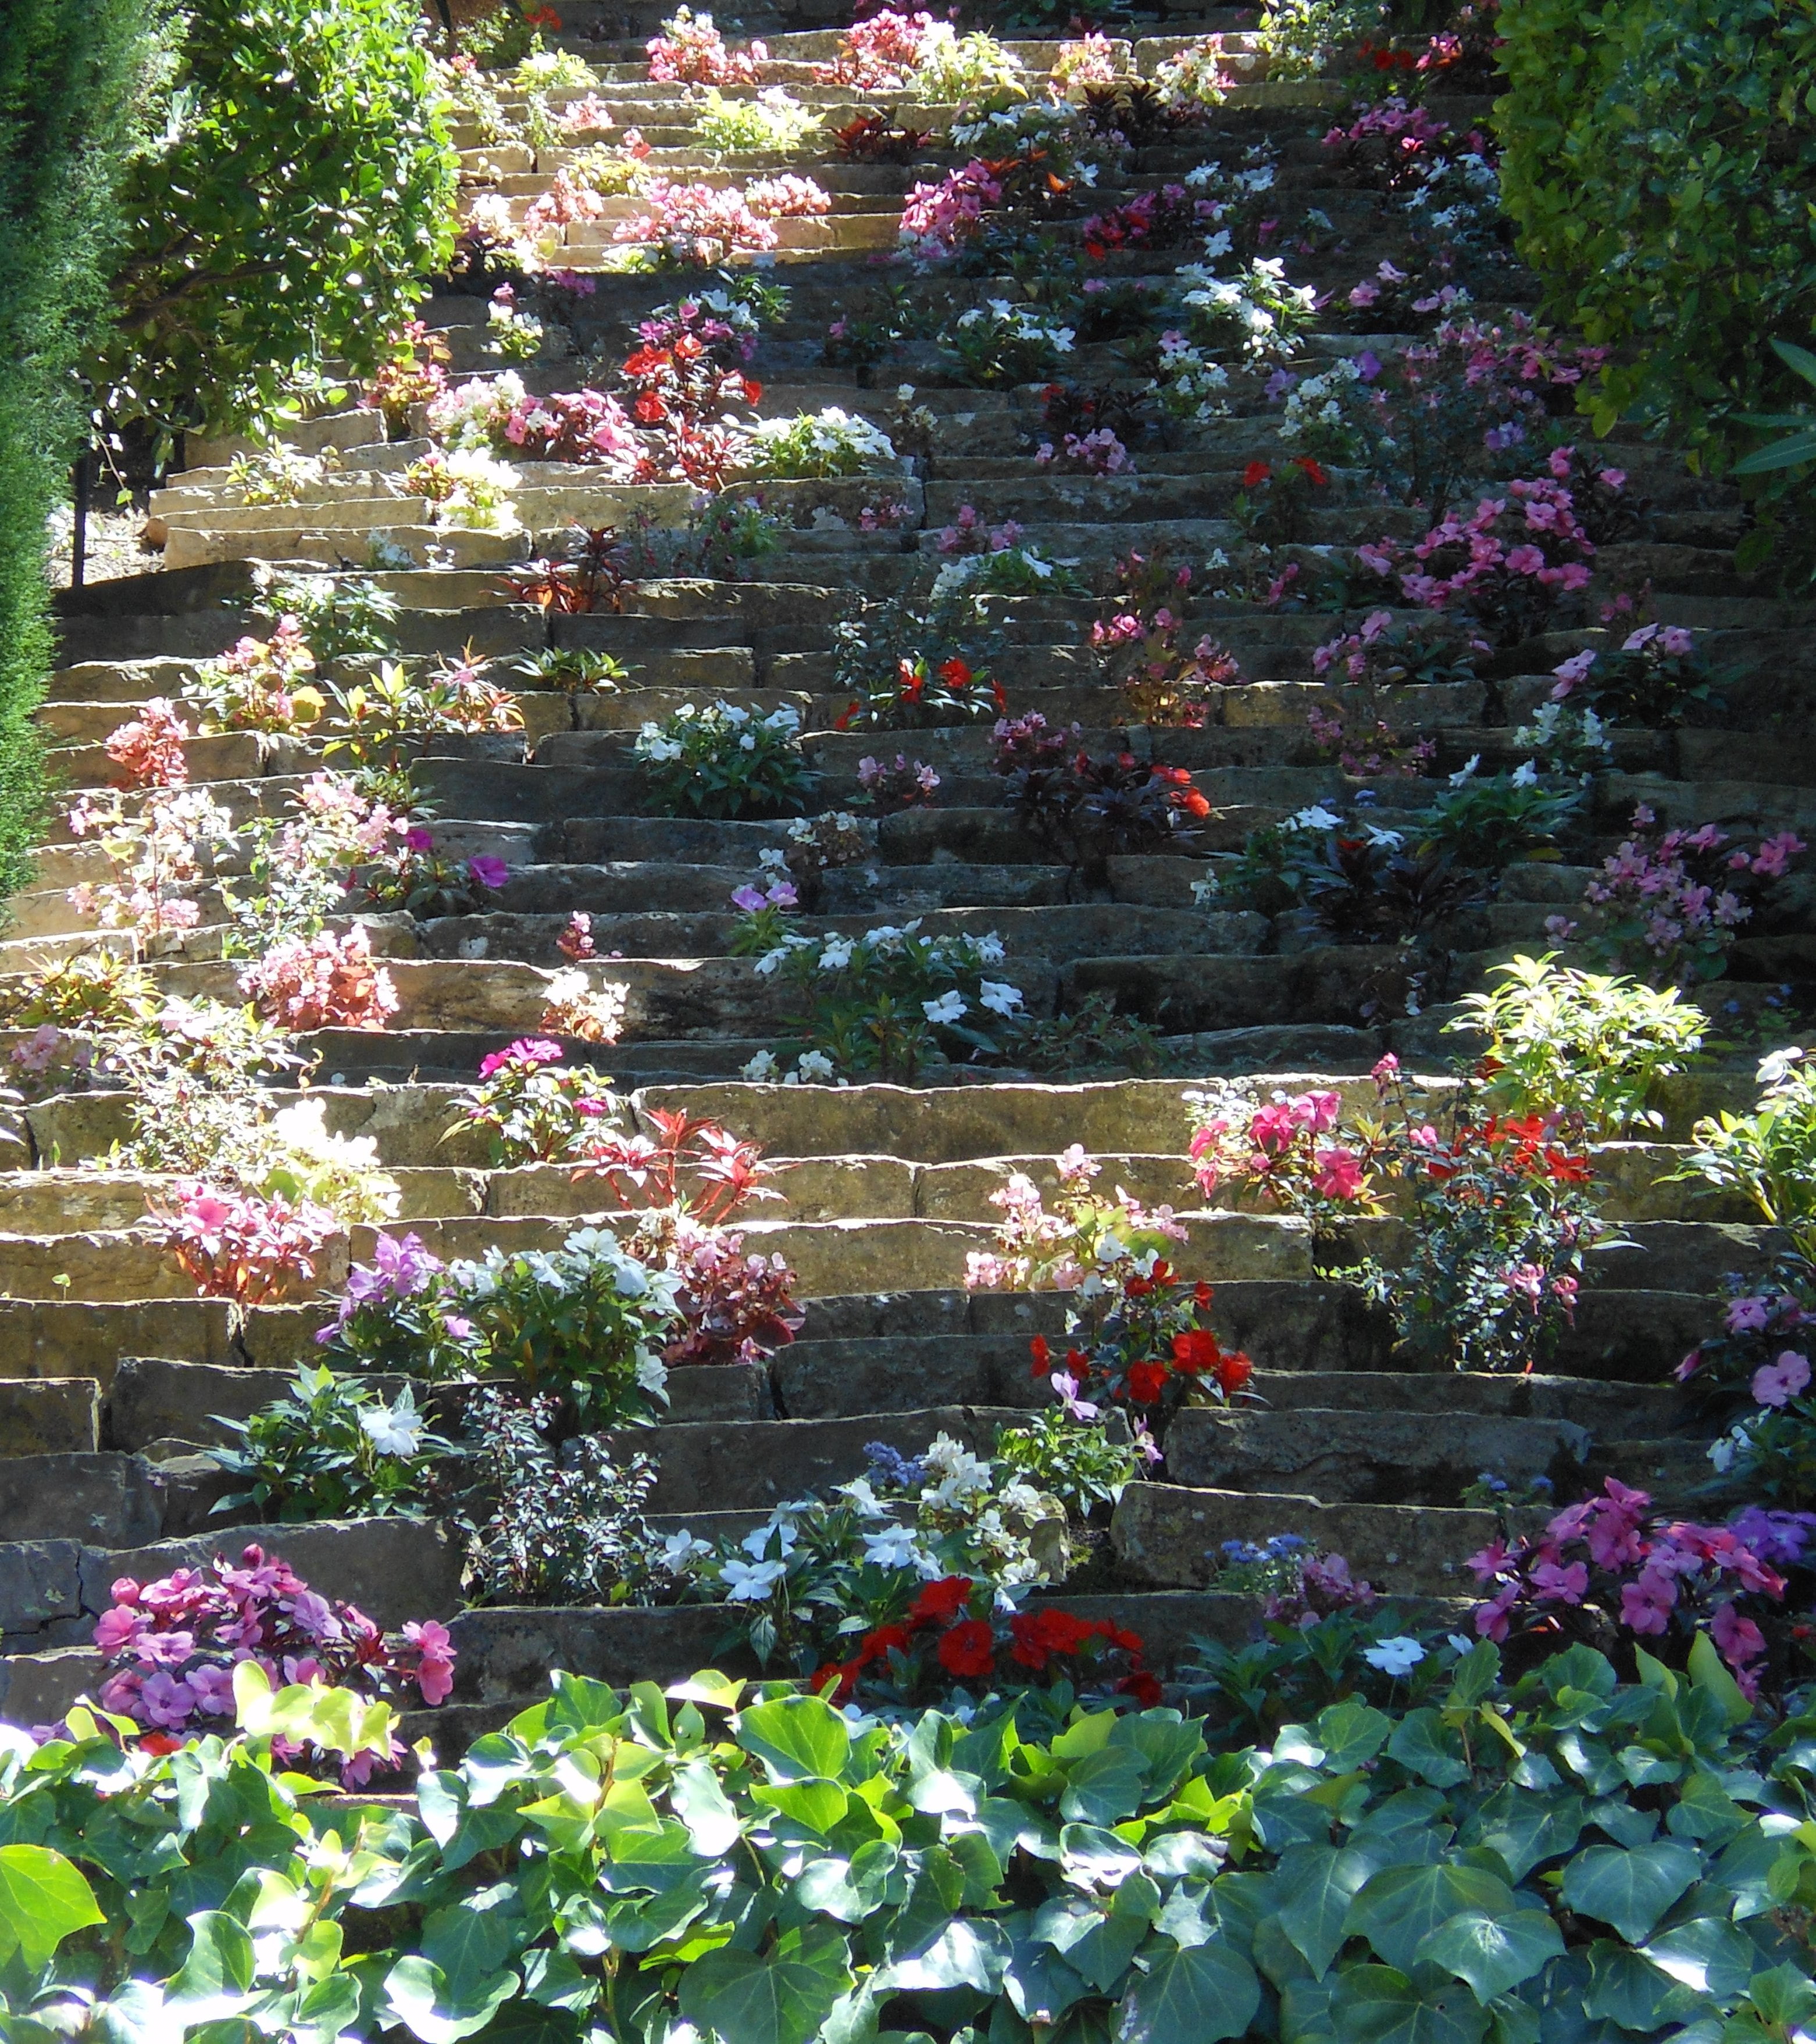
[(1778, 1538), (1777, 1384), (1368, 365), (489, 873), (750, 899), (417, 839)]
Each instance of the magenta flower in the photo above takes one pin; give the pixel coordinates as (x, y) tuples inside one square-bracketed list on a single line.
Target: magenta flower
[(490, 873), (1777, 1384)]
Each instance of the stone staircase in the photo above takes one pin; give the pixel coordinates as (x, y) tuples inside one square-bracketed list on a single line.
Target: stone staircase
[(109, 1368)]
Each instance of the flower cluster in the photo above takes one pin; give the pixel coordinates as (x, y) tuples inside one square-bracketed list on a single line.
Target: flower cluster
[(877, 54), (258, 684), (917, 695), (169, 1648), (786, 197), (1289, 1150), (1652, 1577), (1669, 903), (573, 1006), (902, 783), (816, 444), (953, 1632), (529, 1112), (1654, 678), (939, 220), (1099, 453), (1163, 219), (695, 223), (148, 750), (239, 1246), (690, 51), (326, 981)]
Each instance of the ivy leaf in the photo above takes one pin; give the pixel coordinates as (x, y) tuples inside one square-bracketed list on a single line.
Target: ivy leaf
[(798, 1739), (783, 1998), (700, 1803), (1708, 1956), (1351, 1732), (1493, 1954), (1104, 1787), (1317, 1885), (1423, 1743), (43, 1898), (1629, 1888), (1525, 1828), (1380, 2005), (418, 1994), (1401, 1906), (1198, 1995), (216, 1979)]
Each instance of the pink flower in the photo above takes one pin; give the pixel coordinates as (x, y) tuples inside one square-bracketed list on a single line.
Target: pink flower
[(435, 1669), (1386, 1071), (1750, 1315), (1554, 1584), (1737, 1640), (1647, 1602), (1337, 1174), (1777, 1384)]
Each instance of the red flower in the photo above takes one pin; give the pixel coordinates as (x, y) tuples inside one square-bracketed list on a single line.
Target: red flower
[(1143, 1686), (1312, 472), (158, 1742), (1195, 805), (1043, 1356), (940, 1601), (1256, 471), (1026, 1646), (1233, 1370), (998, 697), (1146, 1382), (1061, 1632), (876, 1645), (969, 1648), (1202, 1295), (1079, 1363), (1195, 1349), (839, 1678), (843, 721), (910, 680), (649, 409), (954, 674), (645, 362)]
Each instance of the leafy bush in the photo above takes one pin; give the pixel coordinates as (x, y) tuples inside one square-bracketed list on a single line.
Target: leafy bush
[(1770, 1155), (1487, 824), (1069, 1459), (531, 1112), (815, 444), (1395, 1871), (1581, 1044), (333, 1449), (1085, 810), (302, 187), (725, 761), (72, 74), (1662, 184), (774, 120)]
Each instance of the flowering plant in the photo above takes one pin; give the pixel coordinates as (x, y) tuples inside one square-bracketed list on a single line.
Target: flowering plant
[(1099, 453), (1000, 343), (1188, 386), (249, 1251), (573, 1006), (888, 1001), (169, 1649), (725, 761), (774, 122), (1081, 1245), (1290, 1150), (816, 444), (1668, 904), (690, 51), (334, 1448), (1657, 679), (415, 372), (1137, 641), (531, 1112), (920, 695), (694, 224), (395, 1313), (877, 53), (786, 197), (467, 488), (679, 1165), (1085, 810), (1252, 316), (891, 787), (735, 1306), (326, 982), (1769, 1155), (1605, 1564), (1380, 653), (954, 1633), (259, 685), (155, 857)]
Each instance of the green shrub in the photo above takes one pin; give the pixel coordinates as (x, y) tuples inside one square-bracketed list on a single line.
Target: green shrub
[(1470, 1862), (69, 73), (1660, 164), (302, 189)]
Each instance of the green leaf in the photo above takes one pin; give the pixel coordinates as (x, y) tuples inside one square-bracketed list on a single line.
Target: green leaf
[(1104, 1787), (1423, 1744), (1707, 1955), (782, 1999), (1525, 1827), (216, 1979), (1795, 357), (418, 1994), (1401, 1906), (1318, 1884), (1199, 1995), (43, 1898), (471, 1939), (1380, 2005), (1350, 1732), (1624, 1989), (798, 1739), (700, 1803), (1493, 1954), (1707, 1671), (1629, 1888)]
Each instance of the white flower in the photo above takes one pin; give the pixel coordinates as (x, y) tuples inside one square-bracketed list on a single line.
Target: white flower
[(755, 1542), (1774, 1070), (1467, 771), (652, 1372), (949, 1008), (747, 744), (750, 1582), (392, 1432), (863, 1498), (999, 996), (772, 856), (1397, 1656), (761, 1070), (894, 1547), (1316, 818), (837, 955), (680, 1551), (989, 950), (1526, 776), (812, 1067)]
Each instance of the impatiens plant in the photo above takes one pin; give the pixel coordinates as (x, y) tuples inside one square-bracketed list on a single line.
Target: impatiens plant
[(530, 1112), (690, 51), (725, 761), (573, 1005), (249, 1251), (1086, 810), (1590, 1048), (170, 1650), (332, 1448), (920, 695), (735, 1306), (891, 787), (1607, 1565), (695, 225), (815, 444), (260, 684), (329, 981), (1667, 904), (1655, 677)]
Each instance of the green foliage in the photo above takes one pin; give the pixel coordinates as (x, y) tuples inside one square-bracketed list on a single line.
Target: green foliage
[(1073, 1460), (1659, 161), (1770, 1155), (301, 190), (70, 73), (1583, 1044), (333, 1449), (1487, 824), (752, 1862), (339, 614), (723, 761)]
